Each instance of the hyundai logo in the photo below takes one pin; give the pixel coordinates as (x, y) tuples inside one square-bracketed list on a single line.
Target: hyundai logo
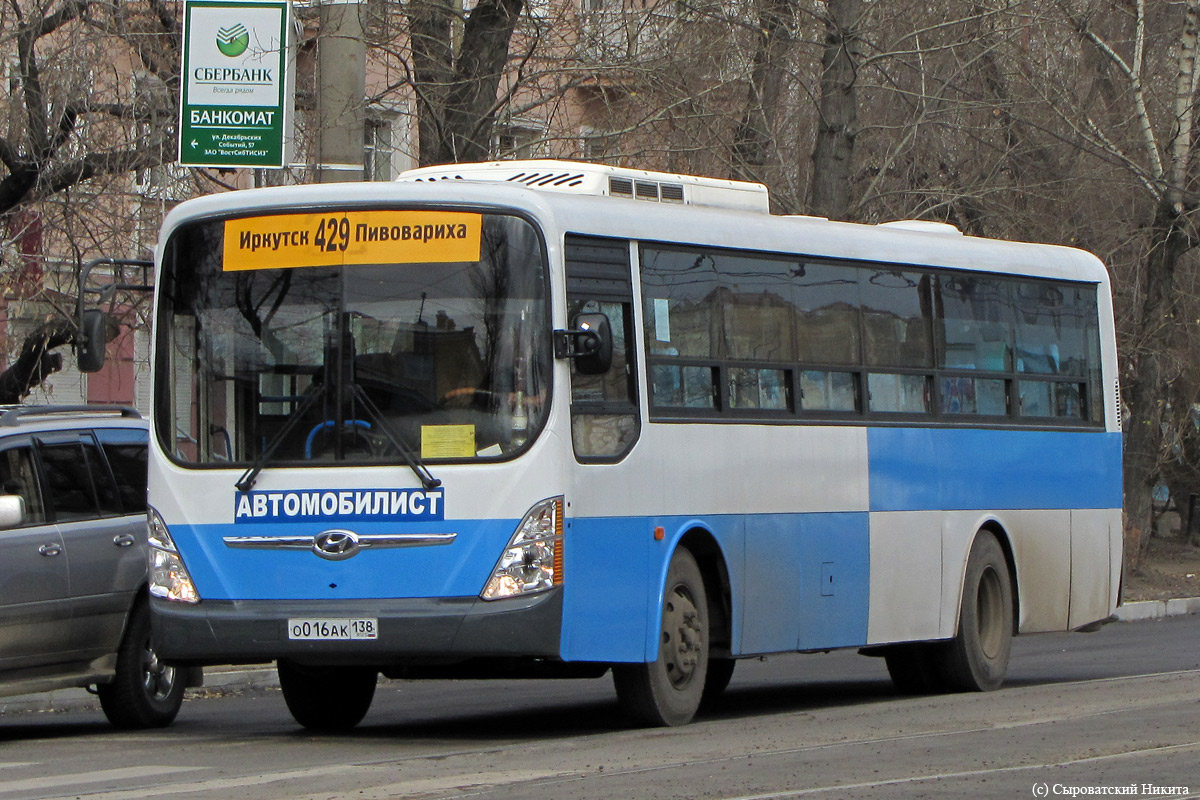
[(336, 545)]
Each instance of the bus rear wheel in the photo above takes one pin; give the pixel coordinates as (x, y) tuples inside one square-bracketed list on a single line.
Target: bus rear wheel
[(668, 691), (976, 660), (327, 698)]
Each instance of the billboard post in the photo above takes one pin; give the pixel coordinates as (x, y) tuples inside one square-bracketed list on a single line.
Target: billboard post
[(238, 84)]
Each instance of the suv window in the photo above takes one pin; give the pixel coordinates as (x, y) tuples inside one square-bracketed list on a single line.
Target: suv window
[(106, 488), (126, 453), (79, 477), (17, 476), (67, 469)]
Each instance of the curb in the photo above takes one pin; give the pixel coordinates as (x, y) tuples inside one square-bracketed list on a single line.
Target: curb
[(1157, 609)]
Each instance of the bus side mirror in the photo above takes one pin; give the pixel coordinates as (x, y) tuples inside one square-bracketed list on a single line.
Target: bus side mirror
[(589, 343), (93, 336)]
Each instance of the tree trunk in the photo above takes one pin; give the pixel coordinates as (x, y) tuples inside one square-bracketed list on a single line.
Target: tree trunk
[(838, 108), (430, 29), (457, 95)]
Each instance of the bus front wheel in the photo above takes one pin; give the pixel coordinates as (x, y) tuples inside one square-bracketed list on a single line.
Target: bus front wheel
[(976, 660), (327, 698), (668, 691)]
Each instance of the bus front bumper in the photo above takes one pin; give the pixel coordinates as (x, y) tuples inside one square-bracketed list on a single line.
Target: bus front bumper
[(256, 631)]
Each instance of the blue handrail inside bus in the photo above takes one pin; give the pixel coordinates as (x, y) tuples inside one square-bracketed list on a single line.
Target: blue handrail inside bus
[(312, 435)]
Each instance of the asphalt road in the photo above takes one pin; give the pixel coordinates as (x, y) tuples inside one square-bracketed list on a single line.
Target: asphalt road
[(1117, 710)]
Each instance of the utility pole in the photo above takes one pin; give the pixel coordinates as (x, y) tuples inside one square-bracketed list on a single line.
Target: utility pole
[(341, 92)]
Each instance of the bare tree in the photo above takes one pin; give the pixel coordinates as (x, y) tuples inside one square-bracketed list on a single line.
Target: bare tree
[(456, 74), (754, 139), (65, 121), (1142, 119), (90, 101)]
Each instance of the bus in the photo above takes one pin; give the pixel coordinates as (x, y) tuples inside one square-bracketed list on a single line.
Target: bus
[(552, 419)]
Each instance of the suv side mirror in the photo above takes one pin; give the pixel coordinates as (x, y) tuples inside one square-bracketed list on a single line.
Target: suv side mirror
[(12, 510), (93, 336)]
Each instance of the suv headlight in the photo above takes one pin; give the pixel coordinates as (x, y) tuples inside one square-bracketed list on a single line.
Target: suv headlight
[(169, 578), (533, 560)]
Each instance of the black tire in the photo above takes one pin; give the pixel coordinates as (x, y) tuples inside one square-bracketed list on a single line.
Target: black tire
[(145, 693), (668, 691), (976, 660), (327, 699)]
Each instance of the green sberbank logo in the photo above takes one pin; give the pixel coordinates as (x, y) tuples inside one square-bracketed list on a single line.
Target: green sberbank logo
[(234, 40)]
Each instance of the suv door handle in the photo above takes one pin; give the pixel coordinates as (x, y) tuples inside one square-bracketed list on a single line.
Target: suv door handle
[(51, 549), (123, 539)]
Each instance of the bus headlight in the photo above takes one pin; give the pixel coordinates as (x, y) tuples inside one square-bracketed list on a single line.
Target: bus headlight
[(532, 562), (169, 578)]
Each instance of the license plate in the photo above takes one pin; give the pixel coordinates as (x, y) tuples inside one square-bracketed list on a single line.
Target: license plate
[(333, 630)]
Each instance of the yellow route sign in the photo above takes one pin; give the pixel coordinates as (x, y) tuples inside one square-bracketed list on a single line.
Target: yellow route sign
[(335, 238)]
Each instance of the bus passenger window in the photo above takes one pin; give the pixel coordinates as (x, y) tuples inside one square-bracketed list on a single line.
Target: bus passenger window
[(973, 396), (828, 391), (898, 394), (759, 388), (1036, 399), (827, 302), (896, 318), (681, 386), (976, 323), (1056, 335)]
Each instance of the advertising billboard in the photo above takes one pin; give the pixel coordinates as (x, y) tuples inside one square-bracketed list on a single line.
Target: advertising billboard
[(238, 84)]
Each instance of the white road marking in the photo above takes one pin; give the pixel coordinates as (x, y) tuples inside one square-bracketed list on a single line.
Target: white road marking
[(98, 776)]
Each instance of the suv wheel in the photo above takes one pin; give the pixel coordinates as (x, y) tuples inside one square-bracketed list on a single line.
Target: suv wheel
[(145, 693)]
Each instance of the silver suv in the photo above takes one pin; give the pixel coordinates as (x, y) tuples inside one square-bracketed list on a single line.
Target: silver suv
[(73, 599)]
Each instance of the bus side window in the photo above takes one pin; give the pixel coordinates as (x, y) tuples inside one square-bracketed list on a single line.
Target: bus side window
[(604, 418)]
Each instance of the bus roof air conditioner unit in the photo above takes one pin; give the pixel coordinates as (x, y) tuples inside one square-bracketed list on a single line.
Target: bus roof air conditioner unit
[(602, 180)]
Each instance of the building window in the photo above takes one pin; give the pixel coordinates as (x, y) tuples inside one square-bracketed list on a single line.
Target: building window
[(598, 145), (517, 140), (383, 138)]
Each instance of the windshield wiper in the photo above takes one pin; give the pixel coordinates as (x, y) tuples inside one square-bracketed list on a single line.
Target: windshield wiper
[(411, 458), (342, 358), (414, 462), (246, 482)]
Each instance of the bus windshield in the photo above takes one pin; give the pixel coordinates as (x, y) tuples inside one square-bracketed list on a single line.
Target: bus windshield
[(292, 359)]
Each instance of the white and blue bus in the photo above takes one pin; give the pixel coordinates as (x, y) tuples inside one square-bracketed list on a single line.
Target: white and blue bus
[(555, 419)]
